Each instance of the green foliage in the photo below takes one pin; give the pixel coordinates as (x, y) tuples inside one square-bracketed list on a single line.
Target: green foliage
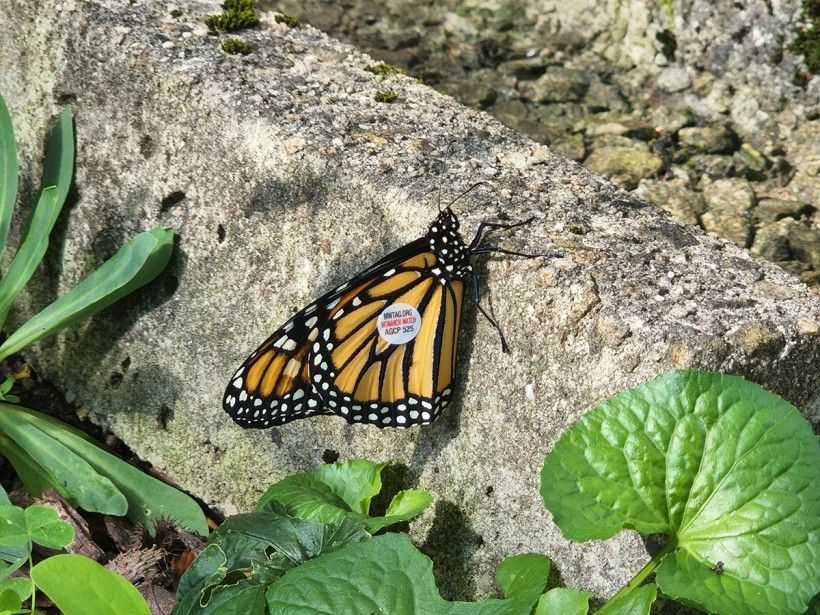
[(335, 492), (45, 453), (20, 529), (247, 553), (80, 586), (385, 574), (291, 21), (236, 15), (725, 468), (236, 45), (383, 70), (523, 577), (386, 96), (807, 36)]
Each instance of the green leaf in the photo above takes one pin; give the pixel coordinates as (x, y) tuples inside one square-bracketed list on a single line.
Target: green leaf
[(13, 531), (386, 574), (247, 552), (8, 172), (79, 479), (103, 591), (148, 498), (46, 529), (58, 169), (10, 600), (637, 602), (723, 466), (34, 477), (523, 577), (342, 490), (19, 586), (563, 601), (206, 571), (32, 248), (4, 497), (137, 263)]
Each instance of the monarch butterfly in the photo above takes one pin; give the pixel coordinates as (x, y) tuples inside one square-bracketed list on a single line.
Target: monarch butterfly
[(380, 348)]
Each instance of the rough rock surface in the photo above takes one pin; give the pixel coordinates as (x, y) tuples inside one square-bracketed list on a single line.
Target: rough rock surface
[(283, 176)]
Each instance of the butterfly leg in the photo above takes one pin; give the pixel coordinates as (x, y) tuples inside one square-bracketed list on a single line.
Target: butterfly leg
[(495, 225), (477, 299)]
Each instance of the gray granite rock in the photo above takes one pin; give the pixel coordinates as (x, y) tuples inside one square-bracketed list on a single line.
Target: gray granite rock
[(674, 79), (557, 84), (803, 148), (715, 139), (675, 196), (729, 204), (624, 164), (771, 210), (294, 178)]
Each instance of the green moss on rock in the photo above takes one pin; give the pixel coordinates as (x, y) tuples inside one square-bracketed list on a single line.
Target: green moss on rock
[(386, 96), (236, 45), (237, 14), (807, 38), (291, 21)]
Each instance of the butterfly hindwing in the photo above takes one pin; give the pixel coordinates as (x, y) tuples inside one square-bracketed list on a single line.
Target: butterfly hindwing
[(273, 386), (368, 378)]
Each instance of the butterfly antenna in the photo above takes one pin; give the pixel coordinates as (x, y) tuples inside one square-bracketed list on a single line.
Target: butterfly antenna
[(441, 177), (469, 190)]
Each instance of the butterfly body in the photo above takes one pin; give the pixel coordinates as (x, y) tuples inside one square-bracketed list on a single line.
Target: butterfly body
[(379, 349)]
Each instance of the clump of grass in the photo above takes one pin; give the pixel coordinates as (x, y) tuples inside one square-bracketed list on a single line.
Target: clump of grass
[(383, 70), (291, 21), (236, 45), (386, 96), (175, 13), (237, 14), (807, 38)]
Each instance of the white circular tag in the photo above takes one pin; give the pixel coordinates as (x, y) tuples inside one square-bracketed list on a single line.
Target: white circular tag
[(399, 323)]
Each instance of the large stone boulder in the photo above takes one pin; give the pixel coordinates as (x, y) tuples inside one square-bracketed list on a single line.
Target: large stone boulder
[(283, 176)]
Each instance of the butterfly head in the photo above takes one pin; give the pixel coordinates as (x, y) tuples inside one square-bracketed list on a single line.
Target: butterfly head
[(446, 243)]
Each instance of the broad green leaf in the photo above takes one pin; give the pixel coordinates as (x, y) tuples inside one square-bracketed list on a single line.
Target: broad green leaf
[(385, 574), (250, 536), (20, 587), (45, 528), (80, 480), (207, 571), (4, 497), (342, 490), (137, 263), (523, 577), (35, 478), (32, 248), (103, 591), (15, 546), (637, 602), (8, 172), (13, 527), (148, 498), (10, 600), (247, 552), (723, 466), (563, 601)]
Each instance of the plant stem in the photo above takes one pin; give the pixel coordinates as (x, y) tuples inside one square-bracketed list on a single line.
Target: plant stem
[(33, 587), (644, 572)]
